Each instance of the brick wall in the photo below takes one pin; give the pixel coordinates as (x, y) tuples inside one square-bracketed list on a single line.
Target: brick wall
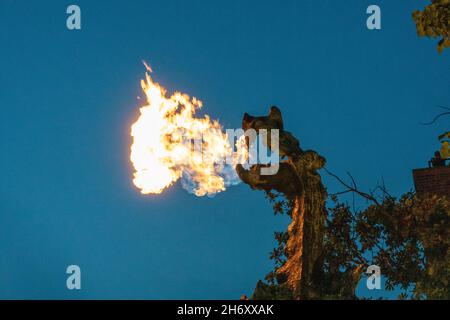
[(432, 180)]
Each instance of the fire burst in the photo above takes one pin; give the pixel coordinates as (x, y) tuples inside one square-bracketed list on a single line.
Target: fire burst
[(164, 147)]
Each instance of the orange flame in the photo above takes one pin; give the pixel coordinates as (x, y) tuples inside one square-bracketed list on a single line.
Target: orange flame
[(164, 145)]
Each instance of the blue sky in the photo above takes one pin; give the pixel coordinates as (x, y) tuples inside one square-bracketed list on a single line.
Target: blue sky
[(68, 99)]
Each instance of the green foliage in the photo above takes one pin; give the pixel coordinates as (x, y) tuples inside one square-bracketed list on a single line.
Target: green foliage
[(408, 238), (412, 238), (434, 22), (270, 291)]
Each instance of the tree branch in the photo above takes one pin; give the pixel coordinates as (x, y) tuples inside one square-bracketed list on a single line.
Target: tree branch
[(353, 188), (438, 116)]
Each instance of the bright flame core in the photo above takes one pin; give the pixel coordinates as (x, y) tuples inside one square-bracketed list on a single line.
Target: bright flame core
[(170, 143)]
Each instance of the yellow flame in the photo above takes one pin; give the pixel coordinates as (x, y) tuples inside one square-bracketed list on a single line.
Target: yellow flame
[(163, 149)]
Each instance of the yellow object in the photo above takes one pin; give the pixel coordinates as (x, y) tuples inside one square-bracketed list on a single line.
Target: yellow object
[(445, 150)]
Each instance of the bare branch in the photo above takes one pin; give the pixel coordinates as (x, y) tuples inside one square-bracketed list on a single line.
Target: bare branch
[(438, 116), (354, 187)]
